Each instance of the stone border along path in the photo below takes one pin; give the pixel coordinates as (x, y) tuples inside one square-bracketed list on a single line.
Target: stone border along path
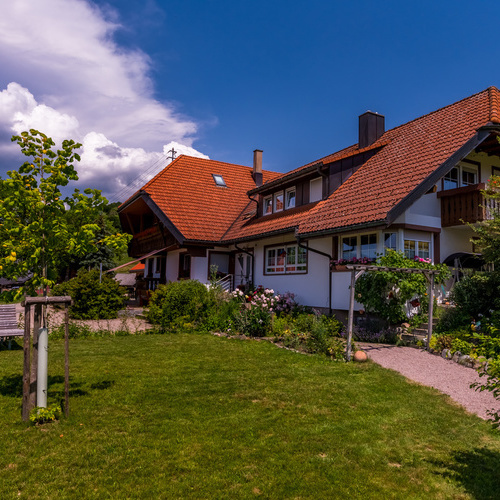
[(434, 371)]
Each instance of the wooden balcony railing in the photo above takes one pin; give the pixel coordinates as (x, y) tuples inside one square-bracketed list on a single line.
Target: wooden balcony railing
[(147, 241), (466, 204)]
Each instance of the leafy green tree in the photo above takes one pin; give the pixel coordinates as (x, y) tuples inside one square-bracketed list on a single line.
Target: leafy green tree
[(40, 230), (106, 255)]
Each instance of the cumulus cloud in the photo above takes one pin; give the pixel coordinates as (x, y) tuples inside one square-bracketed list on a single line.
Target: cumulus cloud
[(63, 73), (121, 171)]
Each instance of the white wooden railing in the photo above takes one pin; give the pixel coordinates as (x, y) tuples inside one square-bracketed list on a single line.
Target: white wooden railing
[(226, 283)]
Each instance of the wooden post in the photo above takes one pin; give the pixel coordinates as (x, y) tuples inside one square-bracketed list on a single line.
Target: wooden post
[(351, 316), (34, 358), (66, 359), (431, 310), (26, 368)]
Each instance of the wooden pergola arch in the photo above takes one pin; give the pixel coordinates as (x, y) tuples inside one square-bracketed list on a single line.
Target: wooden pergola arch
[(357, 270)]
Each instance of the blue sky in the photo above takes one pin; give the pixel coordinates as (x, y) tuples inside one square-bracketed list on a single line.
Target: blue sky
[(131, 78)]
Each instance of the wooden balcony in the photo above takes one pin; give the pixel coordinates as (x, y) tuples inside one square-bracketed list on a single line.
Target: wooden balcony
[(147, 241), (466, 204)]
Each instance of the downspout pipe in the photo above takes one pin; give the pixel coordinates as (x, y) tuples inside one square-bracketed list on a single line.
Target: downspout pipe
[(326, 177), (319, 252)]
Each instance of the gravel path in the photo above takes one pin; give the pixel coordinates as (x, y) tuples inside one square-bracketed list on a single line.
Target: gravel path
[(434, 371)]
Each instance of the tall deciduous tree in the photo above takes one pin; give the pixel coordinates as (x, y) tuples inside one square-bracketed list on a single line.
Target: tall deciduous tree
[(39, 228)]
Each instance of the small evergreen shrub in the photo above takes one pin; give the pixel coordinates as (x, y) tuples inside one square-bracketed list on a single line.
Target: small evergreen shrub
[(188, 299), (93, 299)]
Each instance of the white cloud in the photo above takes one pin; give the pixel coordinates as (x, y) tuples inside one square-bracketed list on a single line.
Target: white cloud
[(122, 171), (74, 81), (181, 149)]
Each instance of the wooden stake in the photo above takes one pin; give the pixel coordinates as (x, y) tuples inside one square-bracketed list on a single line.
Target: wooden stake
[(66, 359), (431, 311), (351, 316), (26, 367), (34, 358)]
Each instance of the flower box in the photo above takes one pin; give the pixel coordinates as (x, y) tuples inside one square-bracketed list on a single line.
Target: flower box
[(336, 268)]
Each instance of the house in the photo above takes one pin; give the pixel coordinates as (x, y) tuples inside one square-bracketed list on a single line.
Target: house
[(410, 189)]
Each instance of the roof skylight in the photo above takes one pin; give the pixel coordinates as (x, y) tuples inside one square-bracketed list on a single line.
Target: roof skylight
[(219, 180)]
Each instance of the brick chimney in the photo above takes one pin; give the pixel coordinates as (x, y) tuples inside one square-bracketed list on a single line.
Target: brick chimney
[(257, 167), (371, 128)]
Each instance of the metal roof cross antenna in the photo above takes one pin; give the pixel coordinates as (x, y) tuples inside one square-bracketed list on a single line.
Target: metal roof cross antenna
[(173, 154)]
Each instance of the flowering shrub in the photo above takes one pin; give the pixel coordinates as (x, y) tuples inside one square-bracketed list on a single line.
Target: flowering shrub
[(254, 317), (387, 293)]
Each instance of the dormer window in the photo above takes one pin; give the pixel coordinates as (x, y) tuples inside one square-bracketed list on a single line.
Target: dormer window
[(219, 180), (315, 190), (290, 198), (268, 205), (278, 202)]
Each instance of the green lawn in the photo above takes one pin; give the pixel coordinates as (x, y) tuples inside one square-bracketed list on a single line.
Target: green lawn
[(197, 416)]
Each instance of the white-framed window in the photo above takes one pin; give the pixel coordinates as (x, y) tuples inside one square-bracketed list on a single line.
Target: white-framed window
[(368, 246), (290, 198), (416, 248), (464, 174), (361, 246), (285, 259), (316, 189), (469, 176), (278, 202), (349, 247), (390, 241), (268, 205)]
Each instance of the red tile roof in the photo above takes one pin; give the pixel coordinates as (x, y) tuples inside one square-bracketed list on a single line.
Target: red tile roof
[(186, 193), (406, 155), (247, 227), (413, 151)]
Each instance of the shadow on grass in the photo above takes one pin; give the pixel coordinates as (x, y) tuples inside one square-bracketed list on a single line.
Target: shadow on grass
[(4, 346), (12, 385), (477, 470)]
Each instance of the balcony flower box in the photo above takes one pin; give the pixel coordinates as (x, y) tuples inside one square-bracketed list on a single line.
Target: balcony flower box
[(340, 264)]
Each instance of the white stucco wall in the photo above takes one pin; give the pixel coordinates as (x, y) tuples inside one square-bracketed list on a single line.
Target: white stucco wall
[(426, 211), (199, 269), (310, 289), (172, 266), (455, 240)]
